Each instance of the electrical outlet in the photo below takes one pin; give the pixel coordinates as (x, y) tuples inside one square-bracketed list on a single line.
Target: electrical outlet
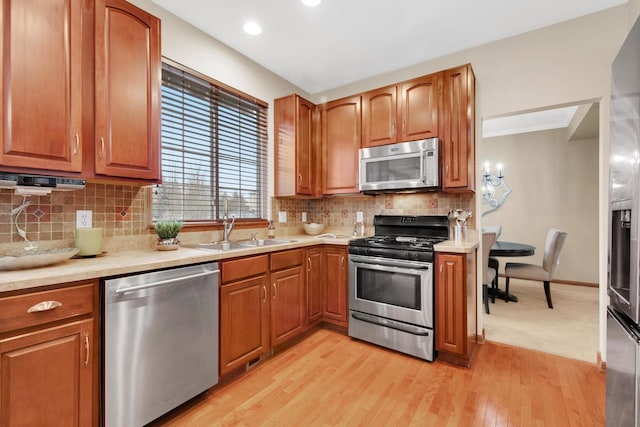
[(84, 219), (282, 216), (359, 216), (304, 217)]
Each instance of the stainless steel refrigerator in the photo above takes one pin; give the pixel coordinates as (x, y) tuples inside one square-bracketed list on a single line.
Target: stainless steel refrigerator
[(623, 313)]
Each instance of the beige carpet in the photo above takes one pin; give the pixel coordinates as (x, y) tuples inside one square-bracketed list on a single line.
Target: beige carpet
[(570, 329)]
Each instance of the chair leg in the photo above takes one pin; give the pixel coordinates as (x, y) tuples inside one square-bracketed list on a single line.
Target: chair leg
[(547, 292), (506, 290), (485, 298), (494, 289)]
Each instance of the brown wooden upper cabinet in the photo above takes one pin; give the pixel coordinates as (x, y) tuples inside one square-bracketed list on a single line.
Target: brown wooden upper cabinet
[(418, 110), (47, 118), (42, 59), (127, 58), (404, 112), (341, 123), (295, 148), (457, 129), (379, 115)]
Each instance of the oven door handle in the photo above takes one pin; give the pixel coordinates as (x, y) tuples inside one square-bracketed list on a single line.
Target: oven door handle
[(383, 263)]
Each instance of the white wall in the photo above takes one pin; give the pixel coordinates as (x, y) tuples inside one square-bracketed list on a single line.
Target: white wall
[(554, 183)]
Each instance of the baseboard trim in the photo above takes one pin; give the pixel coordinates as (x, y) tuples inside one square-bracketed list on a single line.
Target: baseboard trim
[(601, 364), (570, 282)]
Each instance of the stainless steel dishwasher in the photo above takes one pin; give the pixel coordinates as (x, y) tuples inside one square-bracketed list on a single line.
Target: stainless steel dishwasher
[(160, 341)]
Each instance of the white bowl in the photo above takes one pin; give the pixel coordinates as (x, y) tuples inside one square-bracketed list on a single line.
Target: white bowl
[(313, 228)]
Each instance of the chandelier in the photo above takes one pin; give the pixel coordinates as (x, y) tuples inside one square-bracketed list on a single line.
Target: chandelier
[(494, 189)]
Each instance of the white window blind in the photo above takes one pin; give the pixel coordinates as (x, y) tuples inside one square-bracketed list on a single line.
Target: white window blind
[(214, 147)]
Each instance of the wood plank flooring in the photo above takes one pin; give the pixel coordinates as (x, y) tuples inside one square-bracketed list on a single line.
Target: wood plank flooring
[(328, 379)]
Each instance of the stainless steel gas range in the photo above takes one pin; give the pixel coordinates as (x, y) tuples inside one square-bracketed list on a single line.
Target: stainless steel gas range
[(391, 283)]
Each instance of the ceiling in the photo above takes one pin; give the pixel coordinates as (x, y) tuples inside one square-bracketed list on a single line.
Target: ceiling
[(581, 122), (342, 41)]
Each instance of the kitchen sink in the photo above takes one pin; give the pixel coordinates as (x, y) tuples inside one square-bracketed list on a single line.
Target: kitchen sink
[(242, 244), (263, 242), (220, 246)]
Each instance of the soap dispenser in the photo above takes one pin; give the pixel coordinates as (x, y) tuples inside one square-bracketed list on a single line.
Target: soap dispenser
[(271, 230)]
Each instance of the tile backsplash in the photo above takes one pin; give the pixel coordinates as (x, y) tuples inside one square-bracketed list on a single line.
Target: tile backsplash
[(118, 209), (122, 211), (339, 213)]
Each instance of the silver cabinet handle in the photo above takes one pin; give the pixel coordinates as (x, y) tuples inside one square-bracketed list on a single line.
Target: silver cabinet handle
[(264, 290), (308, 264), (102, 147), (77, 147), (275, 290), (86, 347), (342, 262), (164, 282), (44, 306)]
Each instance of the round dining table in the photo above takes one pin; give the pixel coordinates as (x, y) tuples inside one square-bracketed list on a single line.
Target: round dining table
[(511, 249), (507, 249)]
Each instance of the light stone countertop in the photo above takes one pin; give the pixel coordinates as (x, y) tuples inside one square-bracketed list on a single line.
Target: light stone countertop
[(135, 261), (466, 247)]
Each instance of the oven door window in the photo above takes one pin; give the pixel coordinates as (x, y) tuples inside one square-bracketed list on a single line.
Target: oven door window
[(392, 288)]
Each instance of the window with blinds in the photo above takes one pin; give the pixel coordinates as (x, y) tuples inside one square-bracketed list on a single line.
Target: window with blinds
[(214, 151)]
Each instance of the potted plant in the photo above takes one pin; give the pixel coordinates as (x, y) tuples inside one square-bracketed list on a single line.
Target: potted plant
[(167, 231)]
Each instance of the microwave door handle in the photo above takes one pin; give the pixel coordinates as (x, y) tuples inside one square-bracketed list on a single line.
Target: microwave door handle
[(423, 166)]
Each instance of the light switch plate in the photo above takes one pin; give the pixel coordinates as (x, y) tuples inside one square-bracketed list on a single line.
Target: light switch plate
[(84, 219), (359, 216), (304, 217), (282, 216)]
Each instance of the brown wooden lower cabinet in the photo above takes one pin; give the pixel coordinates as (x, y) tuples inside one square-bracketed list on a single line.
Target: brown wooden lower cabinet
[(455, 303), (287, 302), (47, 362), (335, 307), (244, 321), (261, 305), (315, 278)]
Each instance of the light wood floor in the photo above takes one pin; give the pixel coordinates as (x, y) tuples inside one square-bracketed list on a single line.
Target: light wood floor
[(328, 379)]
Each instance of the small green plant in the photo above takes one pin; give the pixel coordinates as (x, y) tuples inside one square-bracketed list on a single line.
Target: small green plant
[(167, 229)]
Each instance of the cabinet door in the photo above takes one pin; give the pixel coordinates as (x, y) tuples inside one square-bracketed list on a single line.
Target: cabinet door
[(294, 133), (418, 111), (315, 276), (379, 114), (127, 93), (458, 133), (451, 303), (41, 86), (341, 142), (335, 297), (244, 322), (46, 377), (287, 304)]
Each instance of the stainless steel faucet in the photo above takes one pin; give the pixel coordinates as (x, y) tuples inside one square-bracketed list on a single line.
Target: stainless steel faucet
[(226, 226)]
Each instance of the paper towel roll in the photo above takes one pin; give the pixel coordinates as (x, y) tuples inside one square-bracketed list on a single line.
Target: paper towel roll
[(89, 241)]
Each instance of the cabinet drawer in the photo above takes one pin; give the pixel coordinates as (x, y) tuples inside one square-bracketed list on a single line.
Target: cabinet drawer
[(74, 301), (244, 267), (286, 259)]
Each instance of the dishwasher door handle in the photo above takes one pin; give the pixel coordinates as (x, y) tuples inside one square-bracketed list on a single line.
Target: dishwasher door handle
[(164, 282)]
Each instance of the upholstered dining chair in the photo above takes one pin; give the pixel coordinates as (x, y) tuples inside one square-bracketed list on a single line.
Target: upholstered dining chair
[(543, 273), (488, 273), (493, 261)]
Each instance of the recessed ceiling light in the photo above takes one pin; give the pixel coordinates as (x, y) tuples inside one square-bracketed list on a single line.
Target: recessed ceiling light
[(310, 3), (252, 28)]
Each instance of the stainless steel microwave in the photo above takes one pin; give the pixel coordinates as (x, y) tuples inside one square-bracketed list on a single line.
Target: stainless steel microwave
[(406, 166)]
